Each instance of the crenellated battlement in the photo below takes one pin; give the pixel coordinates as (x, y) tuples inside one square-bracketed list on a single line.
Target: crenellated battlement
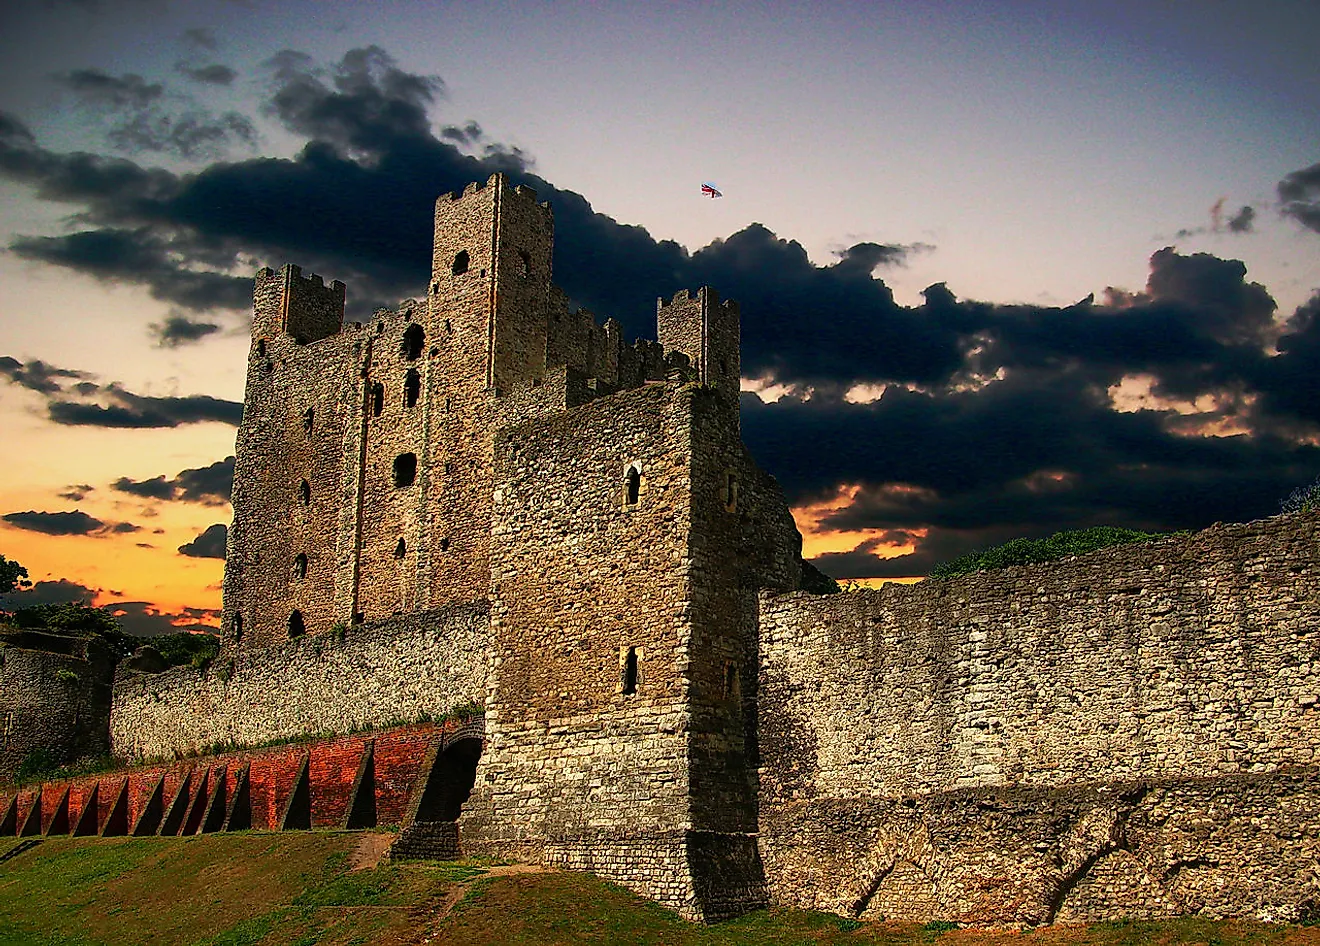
[(520, 191), (287, 302)]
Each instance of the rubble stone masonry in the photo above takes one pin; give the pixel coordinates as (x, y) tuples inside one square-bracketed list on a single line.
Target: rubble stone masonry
[(370, 676), (1125, 733)]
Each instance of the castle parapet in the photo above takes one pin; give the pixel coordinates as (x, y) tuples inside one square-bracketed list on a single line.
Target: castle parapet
[(286, 302), (706, 329)]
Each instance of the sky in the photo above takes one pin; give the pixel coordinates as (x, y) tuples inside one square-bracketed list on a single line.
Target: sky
[(1005, 268)]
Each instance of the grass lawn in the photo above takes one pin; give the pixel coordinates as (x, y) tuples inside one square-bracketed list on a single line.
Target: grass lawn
[(300, 888)]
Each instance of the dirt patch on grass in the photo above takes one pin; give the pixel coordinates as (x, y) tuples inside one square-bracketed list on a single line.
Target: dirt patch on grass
[(370, 851)]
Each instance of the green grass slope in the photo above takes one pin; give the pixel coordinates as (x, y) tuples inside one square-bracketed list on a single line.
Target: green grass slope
[(300, 889)]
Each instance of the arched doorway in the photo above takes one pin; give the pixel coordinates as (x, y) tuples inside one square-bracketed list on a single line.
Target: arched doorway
[(451, 781)]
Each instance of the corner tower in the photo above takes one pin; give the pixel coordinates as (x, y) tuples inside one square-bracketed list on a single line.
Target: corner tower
[(490, 280)]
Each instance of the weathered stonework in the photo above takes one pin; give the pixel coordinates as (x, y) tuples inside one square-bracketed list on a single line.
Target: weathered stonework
[(1137, 685), (396, 671), (483, 497), (54, 698)]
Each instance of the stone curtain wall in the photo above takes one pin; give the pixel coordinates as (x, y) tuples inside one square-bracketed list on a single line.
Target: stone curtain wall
[(883, 714), (375, 675)]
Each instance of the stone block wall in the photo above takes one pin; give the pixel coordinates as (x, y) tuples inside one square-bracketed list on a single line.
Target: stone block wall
[(395, 670), (580, 759), (57, 703), (1161, 664)]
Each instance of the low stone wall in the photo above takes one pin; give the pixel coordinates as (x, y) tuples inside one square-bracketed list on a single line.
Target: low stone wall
[(371, 676), (56, 703)]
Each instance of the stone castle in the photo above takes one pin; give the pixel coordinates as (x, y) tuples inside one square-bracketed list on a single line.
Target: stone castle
[(487, 500)]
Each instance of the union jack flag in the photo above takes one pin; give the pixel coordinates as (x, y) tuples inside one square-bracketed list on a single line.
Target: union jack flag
[(710, 190)]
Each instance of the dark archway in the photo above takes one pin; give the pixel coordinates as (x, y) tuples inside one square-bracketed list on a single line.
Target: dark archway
[(450, 782)]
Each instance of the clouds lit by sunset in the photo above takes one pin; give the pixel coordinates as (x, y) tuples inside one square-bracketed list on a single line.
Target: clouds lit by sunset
[(1001, 273)]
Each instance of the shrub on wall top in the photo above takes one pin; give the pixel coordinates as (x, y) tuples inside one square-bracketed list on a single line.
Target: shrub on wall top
[(1033, 551)]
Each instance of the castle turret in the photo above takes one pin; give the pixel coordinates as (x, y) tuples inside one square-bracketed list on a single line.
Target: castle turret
[(285, 303), (490, 279), (706, 329)]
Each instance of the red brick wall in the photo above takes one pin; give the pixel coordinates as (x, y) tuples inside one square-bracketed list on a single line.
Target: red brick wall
[(399, 755)]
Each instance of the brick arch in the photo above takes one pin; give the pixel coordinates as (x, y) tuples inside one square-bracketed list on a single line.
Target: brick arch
[(451, 778)]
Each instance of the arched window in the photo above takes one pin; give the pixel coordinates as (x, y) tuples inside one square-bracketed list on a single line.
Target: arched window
[(414, 339), (731, 491), (731, 688), (236, 626), (524, 264), (444, 544), (377, 399), (632, 486), (261, 346), (461, 262), (309, 419), (401, 549), (405, 469), (305, 493), (412, 388), (297, 627), (300, 566), (629, 681)]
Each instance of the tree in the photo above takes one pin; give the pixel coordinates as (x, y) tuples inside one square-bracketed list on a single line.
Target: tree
[(13, 576)]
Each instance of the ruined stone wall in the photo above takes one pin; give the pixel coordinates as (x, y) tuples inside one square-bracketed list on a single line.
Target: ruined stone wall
[(707, 330), (371, 676), (57, 703), (301, 402), (395, 544), (1157, 664), (577, 772)]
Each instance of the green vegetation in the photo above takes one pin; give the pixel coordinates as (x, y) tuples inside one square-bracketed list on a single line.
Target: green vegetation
[(67, 617), (1032, 551), (1303, 498), (300, 888), (13, 576), (40, 765), (186, 648)]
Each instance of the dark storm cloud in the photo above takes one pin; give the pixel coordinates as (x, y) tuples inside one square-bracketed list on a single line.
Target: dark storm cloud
[(143, 116), (996, 421), (1243, 221), (180, 330), (208, 485), (138, 256), (192, 134), (201, 37), (56, 523), (1299, 196), (87, 403), (60, 591), (37, 375), (210, 544), (128, 410), (144, 619), (468, 134), (94, 87)]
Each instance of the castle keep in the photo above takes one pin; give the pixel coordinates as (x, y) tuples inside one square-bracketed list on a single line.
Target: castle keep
[(484, 501)]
